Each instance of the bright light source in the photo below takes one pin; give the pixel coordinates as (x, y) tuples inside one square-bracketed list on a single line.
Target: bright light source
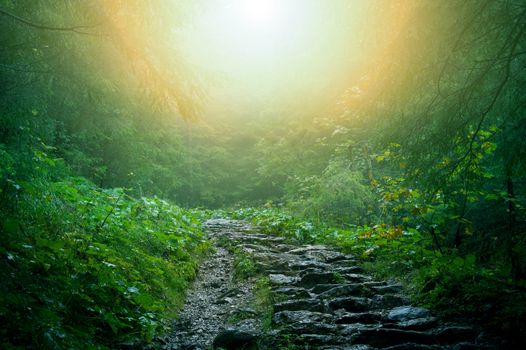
[(275, 47), (260, 10)]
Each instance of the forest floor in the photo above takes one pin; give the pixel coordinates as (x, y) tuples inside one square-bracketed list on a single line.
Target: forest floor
[(263, 292)]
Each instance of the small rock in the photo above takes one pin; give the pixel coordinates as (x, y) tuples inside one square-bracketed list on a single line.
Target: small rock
[(293, 292), (351, 329), (222, 301), (323, 287), (215, 284), (418, 324), (284, 317), (350, 269), (305, 264), (346, 290), (357, 278), (384, 337), (342, 258), (405, 313), (280, 279), (360, 317), (318, 339), (389, 300), (318, 252), (309, 280), (310, 328), (352, 304), (307, 248), (300, 305), (233, 338)]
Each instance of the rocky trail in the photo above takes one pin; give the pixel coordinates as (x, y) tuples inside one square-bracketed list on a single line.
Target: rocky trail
[(303, 297)]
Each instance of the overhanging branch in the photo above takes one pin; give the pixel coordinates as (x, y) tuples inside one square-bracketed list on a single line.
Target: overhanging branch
[(74, 29)]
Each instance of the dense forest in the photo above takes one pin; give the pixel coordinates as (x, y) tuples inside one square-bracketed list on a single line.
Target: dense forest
[(393, 129)]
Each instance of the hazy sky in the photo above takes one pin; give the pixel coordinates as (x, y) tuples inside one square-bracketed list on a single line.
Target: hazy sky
[(275, 54)]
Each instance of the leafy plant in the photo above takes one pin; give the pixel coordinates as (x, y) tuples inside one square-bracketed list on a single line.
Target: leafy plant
[(84, 266)]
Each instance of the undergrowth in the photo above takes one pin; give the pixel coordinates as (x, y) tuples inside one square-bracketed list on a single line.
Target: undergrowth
[(455, 284), (85, 267), (244, 266)]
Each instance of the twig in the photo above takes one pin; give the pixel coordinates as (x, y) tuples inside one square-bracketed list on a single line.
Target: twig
[(110, 212), (74, 29)]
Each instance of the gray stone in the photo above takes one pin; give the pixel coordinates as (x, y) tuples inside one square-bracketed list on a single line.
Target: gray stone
[(356, 277), (280, 279), (319, 339), (342, 258), (318, 252), (418, 324), (355, 289), (293, 292), (368, 317), (310, 328), (390, 288), (305, 264), (311, 270), (405, 313), (351, 329), (352, 304), (309, 280), (389, 300), (349, 269), (384, 337), (284, 317), (323, 287), (300, 304), (307, 248), (234, 338)]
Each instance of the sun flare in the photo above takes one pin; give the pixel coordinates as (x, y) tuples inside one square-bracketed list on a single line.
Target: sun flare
[(258, 45), (260, 11)]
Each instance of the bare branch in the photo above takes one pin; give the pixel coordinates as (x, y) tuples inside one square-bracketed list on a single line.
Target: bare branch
[(74, 29)]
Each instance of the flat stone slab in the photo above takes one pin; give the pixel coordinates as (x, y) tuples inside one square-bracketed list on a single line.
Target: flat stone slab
[(281, 279), (405, 313)]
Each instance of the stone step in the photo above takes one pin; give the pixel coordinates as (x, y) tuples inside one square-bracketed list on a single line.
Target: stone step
[(324, 300)]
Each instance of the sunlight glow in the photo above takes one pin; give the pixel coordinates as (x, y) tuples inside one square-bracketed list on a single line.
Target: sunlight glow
[(276, 49), (261, 11)]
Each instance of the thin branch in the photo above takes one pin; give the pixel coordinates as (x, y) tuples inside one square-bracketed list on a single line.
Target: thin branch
[(74, 29), (109, 213), (460, 36), (496, 95)]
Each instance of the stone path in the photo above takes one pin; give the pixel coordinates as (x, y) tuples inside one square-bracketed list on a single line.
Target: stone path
[(320, 299)]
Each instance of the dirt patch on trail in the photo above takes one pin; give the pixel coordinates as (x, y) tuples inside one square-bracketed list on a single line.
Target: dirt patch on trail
[(215, 295)]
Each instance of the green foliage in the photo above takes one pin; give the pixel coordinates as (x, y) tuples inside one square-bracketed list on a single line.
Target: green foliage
[(460, 286), (264, 301), (244, 266), (277, 222), (457, 285), (339, 196), (88, 267)]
